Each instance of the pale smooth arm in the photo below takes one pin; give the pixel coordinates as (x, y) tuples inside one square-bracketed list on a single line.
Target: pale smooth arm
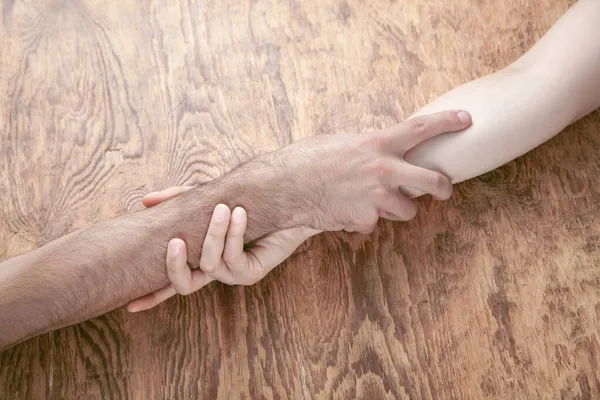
[(520, 107)]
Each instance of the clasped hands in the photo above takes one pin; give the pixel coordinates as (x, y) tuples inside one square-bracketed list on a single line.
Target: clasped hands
[(338, 182)]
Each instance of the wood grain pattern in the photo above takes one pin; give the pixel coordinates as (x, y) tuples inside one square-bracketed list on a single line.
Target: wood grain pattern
[(494, 294)]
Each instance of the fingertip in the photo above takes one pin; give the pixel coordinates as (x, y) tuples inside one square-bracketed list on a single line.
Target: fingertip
[(149, 199), (175, 247), (238, 216), (153, 198), (177, 241), (207, 268), (446, 192), (132, 308), (464, 117), (384, 214), (442, 198), (413, 212), (221, 213)]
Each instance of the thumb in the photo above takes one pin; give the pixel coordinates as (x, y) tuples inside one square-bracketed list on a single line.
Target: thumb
[(277, 247)]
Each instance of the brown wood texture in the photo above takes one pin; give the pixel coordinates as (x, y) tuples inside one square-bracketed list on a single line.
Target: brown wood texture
[(494, 294)]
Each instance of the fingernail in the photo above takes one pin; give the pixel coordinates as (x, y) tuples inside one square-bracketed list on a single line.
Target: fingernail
[(464, 117), (174, 249), (220, 213), (237, 215)]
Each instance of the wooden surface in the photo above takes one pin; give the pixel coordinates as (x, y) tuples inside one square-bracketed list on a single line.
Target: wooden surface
[(494, 294)]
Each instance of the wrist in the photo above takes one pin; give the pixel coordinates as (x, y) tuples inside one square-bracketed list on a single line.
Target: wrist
[(267, 195), (257, 186), (282, 192)]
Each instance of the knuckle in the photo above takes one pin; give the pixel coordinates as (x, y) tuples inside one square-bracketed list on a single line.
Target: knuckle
[(214, 236), (184, 289), (237, 230), (418, 124), (379, 192), (222, 227), (208, 268), (379, 167), (375, 141)]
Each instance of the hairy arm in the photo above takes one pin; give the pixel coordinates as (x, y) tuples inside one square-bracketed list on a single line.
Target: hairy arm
[(328, 182), (97, 269), (520, 107)]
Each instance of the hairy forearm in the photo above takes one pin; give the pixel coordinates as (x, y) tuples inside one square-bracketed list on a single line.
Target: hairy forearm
[(99, 268), (81, 275), (523, 105)]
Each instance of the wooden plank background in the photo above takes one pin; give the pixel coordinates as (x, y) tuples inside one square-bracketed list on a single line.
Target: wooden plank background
[(494, 294)]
